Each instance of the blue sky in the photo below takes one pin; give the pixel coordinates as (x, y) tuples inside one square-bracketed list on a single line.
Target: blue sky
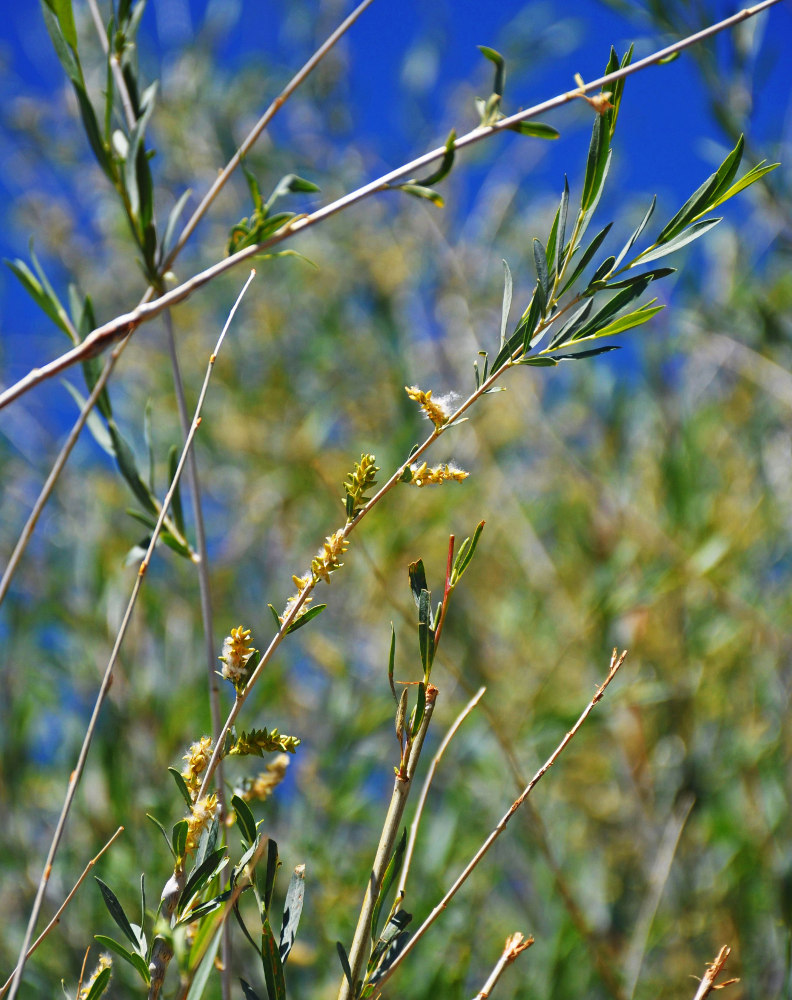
[(408, 57)]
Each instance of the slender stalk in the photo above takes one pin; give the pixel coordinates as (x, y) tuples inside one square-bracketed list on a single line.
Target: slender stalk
[(615, 664), (76, 774), (419, 808), (259, 127), (46, 490), (103, 336), (361, 941), (515, 945), (56, 919), (714, 969), (207, 618)]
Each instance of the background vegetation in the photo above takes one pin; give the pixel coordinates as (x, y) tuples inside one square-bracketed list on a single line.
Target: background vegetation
[(644, 503)]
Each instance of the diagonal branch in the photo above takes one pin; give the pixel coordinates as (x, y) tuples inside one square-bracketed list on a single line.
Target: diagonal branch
[(105, 335)]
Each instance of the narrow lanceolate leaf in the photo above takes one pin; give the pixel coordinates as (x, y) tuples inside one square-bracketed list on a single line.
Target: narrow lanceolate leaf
[(344, 962), (554, 359), (611, 308), (391, 873), (466, 552), (575, 322), (540, 260), (507, 299), (537, 130), (247, 989), (273, 967), (291, 912), (500, 67), (420, 709), (99, 985), (704, 197), (588, 254), (682, 239), (654, 274), (95, 424), (417, 580), (310, 614), (595, 163), (127, 465), (555, 242), (419, 191), (622, 323), (36, 290), (392, 662), (181, 784), (179, 837), (116, 911), (753, 175), (636, 233), (269, 879), (245, 819), (133, 958), (202, 876), (424, 611), (445, 164), (617, 89)]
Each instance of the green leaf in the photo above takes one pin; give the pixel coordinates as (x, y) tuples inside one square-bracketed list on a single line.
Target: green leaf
[(500, 67), (293, 184), (419, 710), (507, 299), (540, 261), (99, 985), (136, 961), (637, 318), (753, 175), (181, 784), (292, 909), (207, 842), (272, 870), (617, 89), (613, 306), (591, 353), (391, 663), (344, 962), (682, 239), (162, 830), (179, 837), (176, 503), (303, 619), (247, 989), (245, 819), (419, 191), (588, 253), (199, 912), (391, 874), (45, 300), (173, 220), (466, 551), (417, 580), (424, 630), (205, 969), (128, 467), (94, 421), (576, 321), (201, 876), (653, 275), (116, 911), (537, 130), (703, 198), (175, 544), (636, 233), (595, 164), (445, 164), (63, 38)]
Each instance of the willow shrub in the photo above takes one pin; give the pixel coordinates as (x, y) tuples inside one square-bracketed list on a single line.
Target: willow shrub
[(320, 396)]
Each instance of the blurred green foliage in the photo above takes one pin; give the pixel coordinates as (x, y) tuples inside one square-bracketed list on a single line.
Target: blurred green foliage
[(646, 505)]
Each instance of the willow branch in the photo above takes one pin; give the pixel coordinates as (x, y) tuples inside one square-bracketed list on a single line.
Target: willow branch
[(101, 338), (419, 808), (615, 663), (515, 945), (714, 969)]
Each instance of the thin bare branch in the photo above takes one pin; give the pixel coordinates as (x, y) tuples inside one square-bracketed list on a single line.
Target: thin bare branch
[(515, 945), (76, 774), (615, 664), (59, 913), (101, 338), (452, 731), (714, 969)]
